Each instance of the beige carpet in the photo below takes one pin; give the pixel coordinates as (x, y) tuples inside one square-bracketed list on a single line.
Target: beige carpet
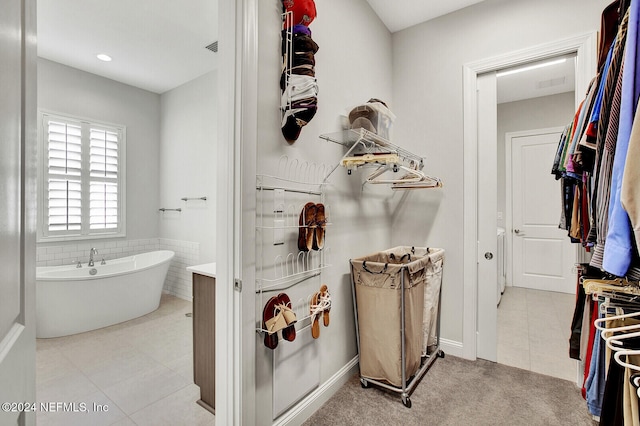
[(459, 392)]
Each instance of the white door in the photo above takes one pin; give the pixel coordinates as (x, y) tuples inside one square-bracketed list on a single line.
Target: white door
[(543, 256), (487, 219), (17, 215)]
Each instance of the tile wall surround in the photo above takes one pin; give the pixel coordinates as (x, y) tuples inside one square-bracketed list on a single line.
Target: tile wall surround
[(178, 281)]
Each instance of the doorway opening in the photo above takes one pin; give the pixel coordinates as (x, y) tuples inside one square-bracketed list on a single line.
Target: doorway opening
[(481, 316), (534, 102), (162, 85)]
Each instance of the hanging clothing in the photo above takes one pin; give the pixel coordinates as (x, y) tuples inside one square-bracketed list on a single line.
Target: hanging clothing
[(608, 128), (608, 24), (630, 192), (592, 128), (595, 382), (555, 169), (603, 181), (618, 252)]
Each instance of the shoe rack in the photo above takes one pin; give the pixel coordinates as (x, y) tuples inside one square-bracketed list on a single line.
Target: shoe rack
[(281, 266), (368, 150)]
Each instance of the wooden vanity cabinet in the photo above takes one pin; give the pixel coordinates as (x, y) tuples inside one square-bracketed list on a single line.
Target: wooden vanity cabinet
[(204, 342)]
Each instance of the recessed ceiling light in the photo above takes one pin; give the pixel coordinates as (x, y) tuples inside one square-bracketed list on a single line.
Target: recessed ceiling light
[(531, 67), (103, 57)]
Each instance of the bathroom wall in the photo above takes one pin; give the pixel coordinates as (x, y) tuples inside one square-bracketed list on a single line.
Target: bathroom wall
[(428, 100), (70, 91), (353, 64), (188, 137), (170, 145), (537, 113)]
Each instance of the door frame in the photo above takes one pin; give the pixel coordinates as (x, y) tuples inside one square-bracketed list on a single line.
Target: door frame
[(584, 47), (508, 138), (18, 338), (235, 278)]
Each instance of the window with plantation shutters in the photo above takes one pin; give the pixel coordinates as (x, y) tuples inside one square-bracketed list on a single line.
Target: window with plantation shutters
[(82, 185)]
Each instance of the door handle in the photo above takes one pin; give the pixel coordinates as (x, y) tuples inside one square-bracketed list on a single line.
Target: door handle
[(518, 232)]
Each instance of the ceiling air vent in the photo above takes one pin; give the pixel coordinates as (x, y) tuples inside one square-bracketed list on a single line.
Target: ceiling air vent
[(550, 83), (213, 46)]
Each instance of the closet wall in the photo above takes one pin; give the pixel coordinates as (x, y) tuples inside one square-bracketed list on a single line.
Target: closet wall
[(428, 100), (353, 65)]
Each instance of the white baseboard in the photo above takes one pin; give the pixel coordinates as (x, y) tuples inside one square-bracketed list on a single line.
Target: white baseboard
[(312, 402), (451, 347)]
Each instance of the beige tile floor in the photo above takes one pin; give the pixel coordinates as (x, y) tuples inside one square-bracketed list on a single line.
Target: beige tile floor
[(533, 331), (142, 370)]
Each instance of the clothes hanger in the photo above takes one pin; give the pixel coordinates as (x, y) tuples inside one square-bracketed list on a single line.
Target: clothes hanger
[(617, 355), (619, 339), (413, 175), (598, 323), (413, 179), (616, 285), (425, 182), (635, 381)]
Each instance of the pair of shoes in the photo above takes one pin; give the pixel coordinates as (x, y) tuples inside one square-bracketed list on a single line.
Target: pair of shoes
[(312, 224), (320, 305), (277, 315)]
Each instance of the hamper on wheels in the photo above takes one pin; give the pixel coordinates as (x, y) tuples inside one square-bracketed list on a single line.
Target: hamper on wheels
[(396, 302)]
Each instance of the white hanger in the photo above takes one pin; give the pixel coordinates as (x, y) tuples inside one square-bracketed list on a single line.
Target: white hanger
[(619, 354), (607, 333), (598, 322), (614, 340), (412, 175), (425, 182)]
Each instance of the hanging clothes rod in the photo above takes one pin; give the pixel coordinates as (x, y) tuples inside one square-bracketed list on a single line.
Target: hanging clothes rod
[(193, 198), (169, 210), (299, 191)]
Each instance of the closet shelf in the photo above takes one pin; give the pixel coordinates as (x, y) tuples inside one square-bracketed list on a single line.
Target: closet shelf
[(362, 141), (367, 149)]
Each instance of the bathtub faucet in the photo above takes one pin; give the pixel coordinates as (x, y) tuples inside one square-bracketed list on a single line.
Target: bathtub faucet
[(91, 253)]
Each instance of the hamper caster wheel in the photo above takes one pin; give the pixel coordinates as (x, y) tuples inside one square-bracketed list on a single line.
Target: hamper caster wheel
[(364, 383), (406, 401), (441, 354)]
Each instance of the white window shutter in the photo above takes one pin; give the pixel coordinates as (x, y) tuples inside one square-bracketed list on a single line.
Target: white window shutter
[(64, 168), (65, 205), (103, 205), (103, 188)]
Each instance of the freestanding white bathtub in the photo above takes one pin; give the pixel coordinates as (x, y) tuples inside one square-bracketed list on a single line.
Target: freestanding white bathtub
[(72, 300)]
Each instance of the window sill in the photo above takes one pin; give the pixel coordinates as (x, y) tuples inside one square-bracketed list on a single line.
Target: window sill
[(57, 239)]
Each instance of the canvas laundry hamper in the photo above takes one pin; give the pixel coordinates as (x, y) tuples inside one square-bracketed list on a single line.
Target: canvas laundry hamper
[(433, 284), (377, 284)]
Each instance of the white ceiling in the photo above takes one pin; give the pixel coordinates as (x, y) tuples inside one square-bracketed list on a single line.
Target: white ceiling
[(155, 45), (550, 80), (400, 14), (158, 45)]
